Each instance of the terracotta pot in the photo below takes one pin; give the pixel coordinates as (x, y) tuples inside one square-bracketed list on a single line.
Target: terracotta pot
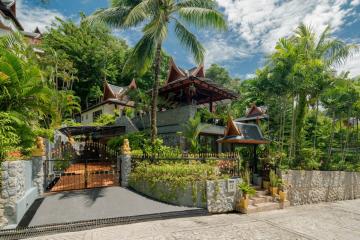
[(273, 191), (282, 195)]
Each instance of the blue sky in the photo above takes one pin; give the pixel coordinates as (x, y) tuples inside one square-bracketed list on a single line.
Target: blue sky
[(254, 28)]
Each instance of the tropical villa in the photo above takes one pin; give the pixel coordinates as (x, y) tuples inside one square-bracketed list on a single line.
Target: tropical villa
[(10, 23), (187, 92), (115, 100)]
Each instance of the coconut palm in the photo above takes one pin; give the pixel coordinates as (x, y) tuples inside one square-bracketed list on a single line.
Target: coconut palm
[(156, 17)]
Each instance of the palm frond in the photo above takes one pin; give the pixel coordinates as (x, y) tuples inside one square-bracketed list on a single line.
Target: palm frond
[(190, 41), (157, 28), (113, 17), (140, 12), (142, 56), (209, 4), (203, 17)]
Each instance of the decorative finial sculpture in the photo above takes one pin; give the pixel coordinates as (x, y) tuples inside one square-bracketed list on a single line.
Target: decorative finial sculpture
[(71, 140), (39, 151), (125, 148)]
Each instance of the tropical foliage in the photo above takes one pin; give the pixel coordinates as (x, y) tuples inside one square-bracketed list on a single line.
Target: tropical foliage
[(313, 117), (28, 101), (158, 17)]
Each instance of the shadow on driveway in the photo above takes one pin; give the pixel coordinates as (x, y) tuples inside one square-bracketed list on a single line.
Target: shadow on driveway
[(98, 203)]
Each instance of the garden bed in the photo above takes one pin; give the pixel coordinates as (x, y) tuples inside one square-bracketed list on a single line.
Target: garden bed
[(185, 184), (177, 183)]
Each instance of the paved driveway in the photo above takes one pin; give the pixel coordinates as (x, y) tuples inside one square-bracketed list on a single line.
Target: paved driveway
[(96, 204), (326, 221)]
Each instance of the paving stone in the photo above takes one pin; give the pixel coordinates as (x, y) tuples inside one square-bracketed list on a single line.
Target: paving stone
[(324, 221)]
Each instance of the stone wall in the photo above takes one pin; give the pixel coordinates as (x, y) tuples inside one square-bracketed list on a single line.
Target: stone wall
[(22, 183), (189, 196), (221, 197), (216, 196), (307, 187)]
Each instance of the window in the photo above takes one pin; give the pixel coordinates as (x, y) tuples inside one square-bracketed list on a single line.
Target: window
[(82, 118), (96, 115)]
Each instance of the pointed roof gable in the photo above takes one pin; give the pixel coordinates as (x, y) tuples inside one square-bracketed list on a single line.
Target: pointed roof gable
[(176, 72), (108, 92), (255, 111), (231, 128), (37, 30), (242, 133), (115, 92), (7, 9), (132, 85)]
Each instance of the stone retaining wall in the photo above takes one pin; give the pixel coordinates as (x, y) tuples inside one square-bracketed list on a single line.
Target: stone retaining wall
[(307, 187), (221, 199), (189, 196), (22, 183), (213, 195)]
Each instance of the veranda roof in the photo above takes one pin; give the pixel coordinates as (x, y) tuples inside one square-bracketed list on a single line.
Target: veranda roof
[(94, 131), (242, 133), (192, 87), (205, 90)]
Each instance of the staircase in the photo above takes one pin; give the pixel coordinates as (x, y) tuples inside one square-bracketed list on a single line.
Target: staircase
[(262, 201)]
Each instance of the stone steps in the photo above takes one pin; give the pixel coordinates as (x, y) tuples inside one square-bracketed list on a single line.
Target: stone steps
[(262, 201)]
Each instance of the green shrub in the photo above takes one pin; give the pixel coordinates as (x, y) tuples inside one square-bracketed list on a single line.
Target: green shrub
[(174, 176), (246, 189), (136, 141)]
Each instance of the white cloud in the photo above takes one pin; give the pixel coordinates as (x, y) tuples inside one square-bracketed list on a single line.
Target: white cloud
[(262, 23), (219, 51), (355, 2), (31, 17), (352, 65)]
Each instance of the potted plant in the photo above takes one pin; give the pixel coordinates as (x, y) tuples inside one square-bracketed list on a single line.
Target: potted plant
[(282, 190), (247, 191), (274, 183)]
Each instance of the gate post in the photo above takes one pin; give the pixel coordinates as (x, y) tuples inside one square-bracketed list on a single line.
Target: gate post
[(125, 163), (38, 159)]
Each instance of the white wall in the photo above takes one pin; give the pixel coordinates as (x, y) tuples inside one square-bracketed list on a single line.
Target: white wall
[(87, 117)]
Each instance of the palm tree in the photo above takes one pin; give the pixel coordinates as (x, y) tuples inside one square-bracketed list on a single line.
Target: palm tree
[(307, 63), (192, 130), (158, 16)]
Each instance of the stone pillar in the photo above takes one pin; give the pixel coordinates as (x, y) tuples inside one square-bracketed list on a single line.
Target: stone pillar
[(38, 173), (13, 189), (125, 163), (38, 165)]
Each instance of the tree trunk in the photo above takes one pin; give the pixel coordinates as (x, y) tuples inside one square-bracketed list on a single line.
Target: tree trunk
[(299, 123), (155, 92), (331, 137), (291, 149), (316, 123)]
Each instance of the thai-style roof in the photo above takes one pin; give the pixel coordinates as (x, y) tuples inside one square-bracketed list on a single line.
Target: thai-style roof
[(254, 113), (7, 9), (242, 133), (116, 92), (192, 86)]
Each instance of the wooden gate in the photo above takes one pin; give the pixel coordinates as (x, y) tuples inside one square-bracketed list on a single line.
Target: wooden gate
[(92, 165)]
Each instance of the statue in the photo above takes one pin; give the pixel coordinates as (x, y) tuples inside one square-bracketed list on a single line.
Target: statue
[(71, 141), (39, 151), (125, 148)]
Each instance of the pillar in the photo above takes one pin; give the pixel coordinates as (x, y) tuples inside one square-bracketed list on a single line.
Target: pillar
[(38, 159), (125, 163)]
